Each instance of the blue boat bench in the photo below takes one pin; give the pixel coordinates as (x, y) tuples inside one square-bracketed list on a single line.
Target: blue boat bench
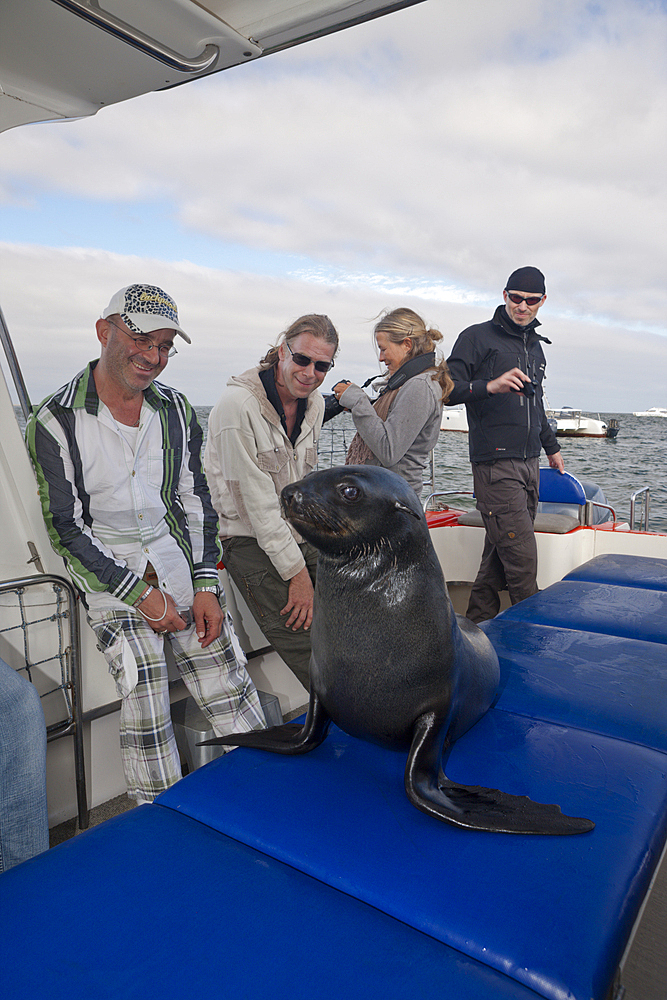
[(260, 875), (591, 650)]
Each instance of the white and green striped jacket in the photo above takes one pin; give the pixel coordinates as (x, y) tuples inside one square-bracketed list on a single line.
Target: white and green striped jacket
[(109, 509)]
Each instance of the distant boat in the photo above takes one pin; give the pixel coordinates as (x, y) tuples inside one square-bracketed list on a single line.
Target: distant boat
[(653, 411), (573, 423), (454, 418)]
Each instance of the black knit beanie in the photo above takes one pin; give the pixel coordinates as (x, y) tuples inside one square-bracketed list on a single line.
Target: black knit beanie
[(526, 279)]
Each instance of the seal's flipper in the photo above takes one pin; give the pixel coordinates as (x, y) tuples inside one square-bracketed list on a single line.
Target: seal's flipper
[(477, 808), (288, 739), (472, 806)]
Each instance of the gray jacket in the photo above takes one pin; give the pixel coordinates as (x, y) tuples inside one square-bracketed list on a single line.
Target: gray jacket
[(403, 442)]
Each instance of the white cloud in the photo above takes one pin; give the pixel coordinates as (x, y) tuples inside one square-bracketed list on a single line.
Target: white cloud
[(432, 151)]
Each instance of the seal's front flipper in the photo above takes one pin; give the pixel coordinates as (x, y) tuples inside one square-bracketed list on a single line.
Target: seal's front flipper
[(288, 739), (471, 806)]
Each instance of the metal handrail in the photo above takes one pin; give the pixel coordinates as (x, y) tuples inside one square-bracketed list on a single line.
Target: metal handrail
[(72, 726), (646, 490), (603, 506), (90, 11), (14, 367), (446, 493)]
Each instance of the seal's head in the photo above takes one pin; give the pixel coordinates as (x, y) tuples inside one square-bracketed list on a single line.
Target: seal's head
[(354, 509)]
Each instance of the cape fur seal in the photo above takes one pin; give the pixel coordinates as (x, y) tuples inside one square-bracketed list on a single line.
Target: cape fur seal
[(391, 662)]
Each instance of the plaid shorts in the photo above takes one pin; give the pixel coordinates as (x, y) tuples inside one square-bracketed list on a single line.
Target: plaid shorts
[(216, 677)]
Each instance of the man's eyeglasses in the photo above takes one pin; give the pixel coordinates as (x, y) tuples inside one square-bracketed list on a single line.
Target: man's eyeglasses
[(302, 360), (530, 300), (145, 344)]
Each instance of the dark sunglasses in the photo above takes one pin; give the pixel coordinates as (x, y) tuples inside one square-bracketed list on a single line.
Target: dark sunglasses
[(530, 300), (302, 360)]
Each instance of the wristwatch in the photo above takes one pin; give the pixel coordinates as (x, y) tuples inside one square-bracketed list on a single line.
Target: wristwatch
[(214, 589)]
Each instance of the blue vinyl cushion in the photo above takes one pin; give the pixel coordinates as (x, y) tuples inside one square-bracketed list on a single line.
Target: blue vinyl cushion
[(604, 683), (544, 910), (623, 570), (153, 904), (596, 607), (560, 487)]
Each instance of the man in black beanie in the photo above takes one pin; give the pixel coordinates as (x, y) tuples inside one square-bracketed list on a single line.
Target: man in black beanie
[(498, 368)]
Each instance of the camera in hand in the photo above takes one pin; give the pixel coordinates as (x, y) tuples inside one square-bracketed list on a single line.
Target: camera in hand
[(528, 388), (331, 407)]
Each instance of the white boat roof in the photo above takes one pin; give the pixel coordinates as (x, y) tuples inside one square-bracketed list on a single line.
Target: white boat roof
[(63, 59)]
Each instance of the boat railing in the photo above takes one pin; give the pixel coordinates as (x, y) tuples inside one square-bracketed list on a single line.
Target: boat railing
[(91, 12), (588, 515), (431, 501), (646, 504), (49, 624), (14, 368)]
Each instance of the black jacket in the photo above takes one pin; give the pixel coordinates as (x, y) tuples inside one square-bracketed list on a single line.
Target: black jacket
[(509, 424)]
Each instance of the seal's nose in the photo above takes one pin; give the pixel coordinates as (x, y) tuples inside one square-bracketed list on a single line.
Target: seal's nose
[(291, 497)]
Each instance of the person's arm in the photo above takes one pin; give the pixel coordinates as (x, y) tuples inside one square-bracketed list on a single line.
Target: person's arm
[(556, 461), (463, 364), (510, 381), (391, 439), (195, 496), (203, 531), (92, 566), (236, 470)]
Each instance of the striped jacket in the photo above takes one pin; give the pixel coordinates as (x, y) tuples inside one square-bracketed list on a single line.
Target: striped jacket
[(112, 505)]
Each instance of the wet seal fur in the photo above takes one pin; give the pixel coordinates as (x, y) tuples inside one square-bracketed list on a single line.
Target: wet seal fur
[(391, 662)]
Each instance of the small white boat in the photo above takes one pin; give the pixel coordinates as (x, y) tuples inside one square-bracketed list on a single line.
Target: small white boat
[(454, 418), (574, 423), (653, 411)]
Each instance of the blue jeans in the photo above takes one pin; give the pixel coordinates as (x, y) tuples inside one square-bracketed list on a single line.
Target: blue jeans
[(24, 825)]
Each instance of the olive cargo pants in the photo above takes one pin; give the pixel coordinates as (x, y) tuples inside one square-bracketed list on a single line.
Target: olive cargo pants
[(265, 593), (507, 492)]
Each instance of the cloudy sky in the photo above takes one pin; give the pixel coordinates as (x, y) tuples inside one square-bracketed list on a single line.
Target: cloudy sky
[(417, 159)]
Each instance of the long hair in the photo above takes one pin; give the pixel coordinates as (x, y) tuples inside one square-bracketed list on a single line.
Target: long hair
[(402, 323), (315, 324)]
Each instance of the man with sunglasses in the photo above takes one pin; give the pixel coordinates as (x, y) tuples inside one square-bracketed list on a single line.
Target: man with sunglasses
[(262, 435), (498, 368), (117, 458)]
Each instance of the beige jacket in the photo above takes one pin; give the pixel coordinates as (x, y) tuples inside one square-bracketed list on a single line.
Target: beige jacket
[(249, 458)]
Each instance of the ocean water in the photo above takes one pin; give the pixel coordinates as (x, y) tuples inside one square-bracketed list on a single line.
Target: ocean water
[(620, 466)]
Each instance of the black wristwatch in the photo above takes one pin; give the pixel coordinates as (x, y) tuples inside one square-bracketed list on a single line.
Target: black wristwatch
[(213, 589)]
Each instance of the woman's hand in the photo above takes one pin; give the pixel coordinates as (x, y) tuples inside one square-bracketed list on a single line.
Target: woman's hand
[(340, 388)]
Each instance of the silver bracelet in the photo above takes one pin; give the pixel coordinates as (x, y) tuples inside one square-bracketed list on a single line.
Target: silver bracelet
[(148, 617), (140, 600)]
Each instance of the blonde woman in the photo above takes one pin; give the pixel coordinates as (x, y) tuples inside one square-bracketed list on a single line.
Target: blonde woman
[(399, 430)]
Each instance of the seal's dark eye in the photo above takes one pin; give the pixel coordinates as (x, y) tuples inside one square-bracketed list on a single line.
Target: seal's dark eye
[(350, 492)]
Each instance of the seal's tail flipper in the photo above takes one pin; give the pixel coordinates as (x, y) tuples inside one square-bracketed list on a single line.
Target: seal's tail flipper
[(477, 808), (471, 806), (288, 739)]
